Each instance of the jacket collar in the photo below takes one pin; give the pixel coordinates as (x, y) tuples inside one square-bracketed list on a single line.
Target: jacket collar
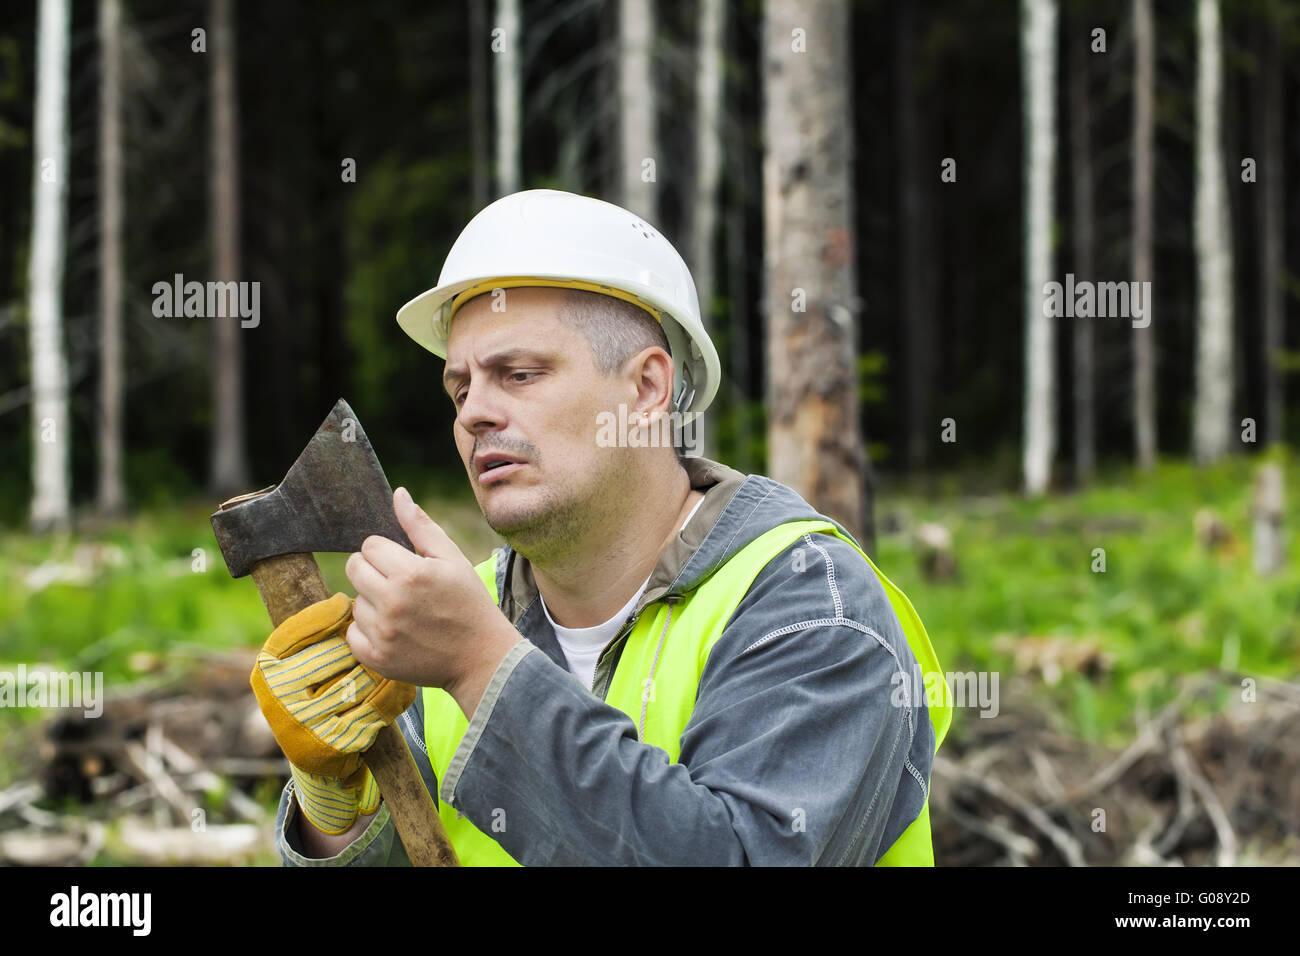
[(737, 508)]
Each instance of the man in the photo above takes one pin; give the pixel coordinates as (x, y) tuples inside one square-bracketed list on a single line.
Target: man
[(668, 662)]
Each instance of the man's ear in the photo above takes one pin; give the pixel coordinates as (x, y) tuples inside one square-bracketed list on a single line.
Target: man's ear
[(652, 372)]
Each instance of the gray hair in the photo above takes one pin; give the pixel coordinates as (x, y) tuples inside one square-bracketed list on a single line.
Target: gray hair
[(616, 330)]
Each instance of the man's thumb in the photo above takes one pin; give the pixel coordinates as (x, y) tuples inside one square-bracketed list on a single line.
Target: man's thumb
[(428, 538)]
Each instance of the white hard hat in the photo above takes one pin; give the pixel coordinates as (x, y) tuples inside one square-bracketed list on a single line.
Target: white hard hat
[(544, 237)]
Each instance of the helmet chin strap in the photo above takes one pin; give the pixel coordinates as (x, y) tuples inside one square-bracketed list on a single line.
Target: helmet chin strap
[(685, 394)]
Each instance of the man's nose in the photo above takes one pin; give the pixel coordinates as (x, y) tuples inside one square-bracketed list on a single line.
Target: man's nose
[(481, 410)]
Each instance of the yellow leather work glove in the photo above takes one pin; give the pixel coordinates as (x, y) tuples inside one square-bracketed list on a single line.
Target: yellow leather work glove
[(331, 805), (325, 709)]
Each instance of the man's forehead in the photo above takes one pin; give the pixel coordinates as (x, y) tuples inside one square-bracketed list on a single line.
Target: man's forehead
[(501, 311), (547, 300), (518, 330)]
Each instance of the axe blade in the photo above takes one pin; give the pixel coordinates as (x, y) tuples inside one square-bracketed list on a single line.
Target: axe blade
[(334, 497)]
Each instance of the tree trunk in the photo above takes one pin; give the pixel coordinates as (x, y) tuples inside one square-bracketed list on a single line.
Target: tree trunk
[(708, 168), (1085, 444), (1269, 519), (1214, 384), (479, 40), (111, 492), (1144, 128), (1272, 167), (1038, 79), (637, 108), (509, 97), (916, 171), (229, 464), (51, 438), (814, 443), (742, 311)]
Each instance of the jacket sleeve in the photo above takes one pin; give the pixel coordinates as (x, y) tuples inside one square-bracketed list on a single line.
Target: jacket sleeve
[(378, 845), (800, 750)]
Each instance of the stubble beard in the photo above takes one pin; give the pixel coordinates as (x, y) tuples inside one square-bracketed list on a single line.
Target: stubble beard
[(555, 525)]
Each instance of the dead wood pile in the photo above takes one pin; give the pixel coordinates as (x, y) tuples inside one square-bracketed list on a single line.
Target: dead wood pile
[(1189, 791), (165, 775)]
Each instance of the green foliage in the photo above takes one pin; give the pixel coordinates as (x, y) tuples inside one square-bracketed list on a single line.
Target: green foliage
[(156, 584), (741, 433), (871, 369), (134, 601), (90, 603), (1164, 608), (154, 478), (1287, 361), (395, 254)]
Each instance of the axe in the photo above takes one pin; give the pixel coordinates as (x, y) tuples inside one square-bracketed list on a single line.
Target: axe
[(332, 499)]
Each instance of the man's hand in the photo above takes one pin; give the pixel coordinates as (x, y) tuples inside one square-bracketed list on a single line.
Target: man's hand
[(425, 617), (325, 710)]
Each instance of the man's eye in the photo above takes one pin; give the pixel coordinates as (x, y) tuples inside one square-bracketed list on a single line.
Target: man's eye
[(520, 377)]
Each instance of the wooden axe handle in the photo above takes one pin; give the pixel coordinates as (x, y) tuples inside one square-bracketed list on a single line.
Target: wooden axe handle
[(290, 582)]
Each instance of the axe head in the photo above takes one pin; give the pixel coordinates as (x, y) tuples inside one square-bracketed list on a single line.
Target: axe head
[(333, 498)]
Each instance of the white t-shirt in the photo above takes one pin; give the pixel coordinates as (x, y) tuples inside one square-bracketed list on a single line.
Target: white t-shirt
[(582, 645)]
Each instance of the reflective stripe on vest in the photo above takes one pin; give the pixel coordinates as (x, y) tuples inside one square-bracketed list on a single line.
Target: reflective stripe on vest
[(660, 673)]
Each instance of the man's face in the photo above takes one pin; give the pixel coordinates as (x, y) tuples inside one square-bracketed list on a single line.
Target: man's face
[(527, 393)]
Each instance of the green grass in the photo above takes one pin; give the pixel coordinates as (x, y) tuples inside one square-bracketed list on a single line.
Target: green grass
[(1163, 609), (151, 592)]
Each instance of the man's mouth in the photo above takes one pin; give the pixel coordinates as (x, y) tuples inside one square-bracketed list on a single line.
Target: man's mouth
[(494, 467)]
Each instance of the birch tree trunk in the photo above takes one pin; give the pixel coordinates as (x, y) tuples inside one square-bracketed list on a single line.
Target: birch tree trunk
[(229, 464), (814, 443), (50, 508), (509, 97), (708, 168), (1212, 411), (1085, 444), (111, 491), (1144, 128), (1038, 73), (637, 108), (1272, 262)]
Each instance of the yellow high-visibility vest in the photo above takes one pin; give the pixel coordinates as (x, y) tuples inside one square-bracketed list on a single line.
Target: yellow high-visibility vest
[(698, 619)]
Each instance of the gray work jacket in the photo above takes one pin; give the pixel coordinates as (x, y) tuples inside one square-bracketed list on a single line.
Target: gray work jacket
[(796, 753)]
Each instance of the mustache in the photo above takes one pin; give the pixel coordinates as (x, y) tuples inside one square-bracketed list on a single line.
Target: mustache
[(522, 449)]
